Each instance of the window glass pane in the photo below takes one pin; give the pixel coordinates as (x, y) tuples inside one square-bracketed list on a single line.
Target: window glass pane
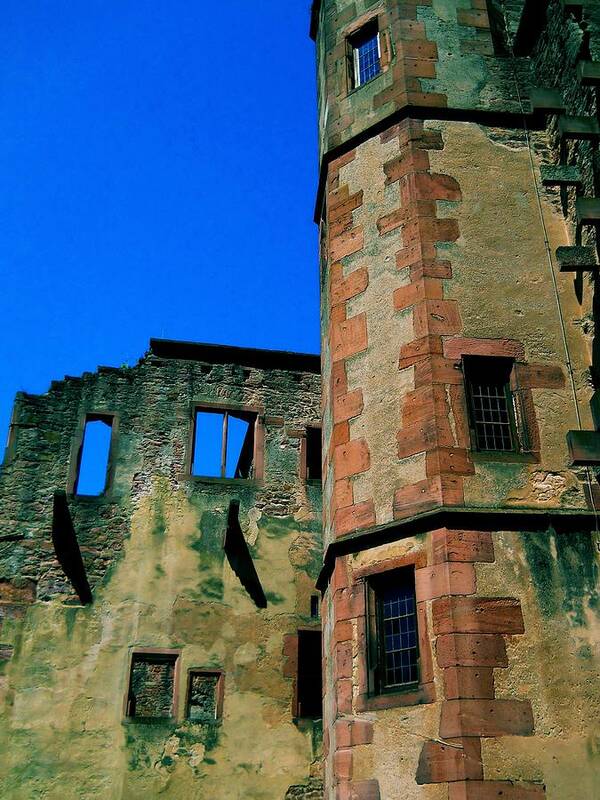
[(208, 444), (367, 56), (237, 431), (95, 453), (490, 400), (400, 646)]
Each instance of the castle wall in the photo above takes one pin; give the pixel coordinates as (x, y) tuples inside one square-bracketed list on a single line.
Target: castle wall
[(153, 549)]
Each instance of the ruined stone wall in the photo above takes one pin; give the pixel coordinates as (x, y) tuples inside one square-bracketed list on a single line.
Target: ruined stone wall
[(153, 549)]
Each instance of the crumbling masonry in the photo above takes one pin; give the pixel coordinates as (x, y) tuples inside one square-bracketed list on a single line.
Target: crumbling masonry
[(163, 637)]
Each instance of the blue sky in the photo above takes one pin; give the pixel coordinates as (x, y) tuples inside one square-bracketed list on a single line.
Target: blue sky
[(158, 171)]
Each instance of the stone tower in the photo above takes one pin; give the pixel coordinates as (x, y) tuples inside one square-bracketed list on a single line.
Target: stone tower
[(457, 213)]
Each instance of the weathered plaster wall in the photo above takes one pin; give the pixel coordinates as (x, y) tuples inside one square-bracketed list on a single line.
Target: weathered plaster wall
[(154, 553)]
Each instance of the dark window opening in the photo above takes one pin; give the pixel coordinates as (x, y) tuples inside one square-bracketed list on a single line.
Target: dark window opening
[(364, 53), (491, 405), (498, 29), (151, 686), (223, 444), (393, 632), (310, 681), (313, 454), (314, 606), (94, 457), (203, 704)]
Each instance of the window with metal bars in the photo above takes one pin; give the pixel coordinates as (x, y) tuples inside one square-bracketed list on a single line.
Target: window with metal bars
[(364, 51), (393, 632), (491, 404)]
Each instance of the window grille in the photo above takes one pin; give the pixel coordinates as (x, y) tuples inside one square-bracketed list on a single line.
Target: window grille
[(366, 54), (491, 403), (399, 621), (393, 655)]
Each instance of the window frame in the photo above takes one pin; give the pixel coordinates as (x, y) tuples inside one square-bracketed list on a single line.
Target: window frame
[(376, 652), (157, 655), (258, 446), (353, 52), (219, 694), (109, 418), (517, 433)]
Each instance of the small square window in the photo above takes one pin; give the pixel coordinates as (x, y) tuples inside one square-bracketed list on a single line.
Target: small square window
[(491, 403), (365, 54), (151, 692), (393, 634), (204, 698), (224, 444)]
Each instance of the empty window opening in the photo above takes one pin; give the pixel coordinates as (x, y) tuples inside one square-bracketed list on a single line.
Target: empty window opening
[(204, 701), (152, 686), (223, 444), (94, 456), (314, 606), (310, 681), (365, 54), (491, 406), (313, 454), (393, 634)]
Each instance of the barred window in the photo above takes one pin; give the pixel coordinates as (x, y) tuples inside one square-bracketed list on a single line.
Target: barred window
[(205, 696), (394, 640), (491, 406), (365, 54), (152, 685)]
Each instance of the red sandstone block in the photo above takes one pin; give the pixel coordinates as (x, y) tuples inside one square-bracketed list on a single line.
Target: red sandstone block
[(470, 683), (426, 403), (430, 99), (417, 438), (434, 186), (420, 68), (449, 461), (475, 19), (540, 376), (342, 764), (462, 546), (340, 578), (430, 269), (406, 163), (349, 337), (342, 496), (471, 650), (394, 220), (365, 790), (351, 459), (458, 760), (353, 732), (349, 603), (460, 346), (346, 244), (356, 517), (344, 205), (339, 382), (342, 661), (351, 286), (444, 579), (347, 406), (477, 615), (419, 349), (342, 632), (425, 495), (486, 718), (495, 790), (339, 436), (343, 696), (437, 318), (413, 293), (419, 48), (437, 369)]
